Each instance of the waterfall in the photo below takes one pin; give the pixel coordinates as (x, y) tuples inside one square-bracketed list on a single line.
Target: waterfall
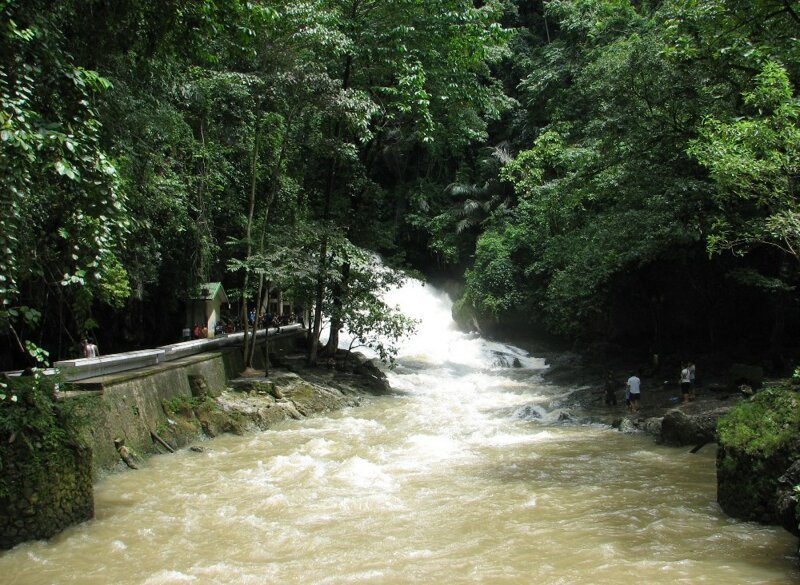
[(437, 341)]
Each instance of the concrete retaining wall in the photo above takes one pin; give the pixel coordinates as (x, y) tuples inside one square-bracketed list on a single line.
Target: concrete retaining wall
[(77, 369), (126, 405), (129, 405)]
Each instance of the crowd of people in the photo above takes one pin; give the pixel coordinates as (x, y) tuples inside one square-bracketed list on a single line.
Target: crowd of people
[(260, 321), (266, 320)]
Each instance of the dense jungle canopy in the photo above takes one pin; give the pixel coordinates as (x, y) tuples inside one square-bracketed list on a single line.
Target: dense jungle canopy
[(601, 170)]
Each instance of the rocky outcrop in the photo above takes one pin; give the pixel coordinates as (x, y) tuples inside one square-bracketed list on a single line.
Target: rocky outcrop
[(679, 428), (758, 460), (748, 486), (786, 500), (634, 424), (286, 395), (255, 403), (368, 372)]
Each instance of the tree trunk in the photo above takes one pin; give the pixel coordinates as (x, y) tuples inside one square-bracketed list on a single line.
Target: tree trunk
[(323, 252), (249, 340), (250, 348), (339, 296), (318, 297)]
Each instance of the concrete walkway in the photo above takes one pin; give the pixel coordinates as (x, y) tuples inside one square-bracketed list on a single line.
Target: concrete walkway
[(83, 368)]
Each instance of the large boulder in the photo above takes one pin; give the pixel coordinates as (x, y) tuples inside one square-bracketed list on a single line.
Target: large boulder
[(652, 426), (679, 428), (747, 484), (759, 447), (374, 375), (749, 375), (786, 501)]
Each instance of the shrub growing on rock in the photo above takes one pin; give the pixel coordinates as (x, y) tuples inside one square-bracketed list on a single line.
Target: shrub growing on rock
[(759, 440)]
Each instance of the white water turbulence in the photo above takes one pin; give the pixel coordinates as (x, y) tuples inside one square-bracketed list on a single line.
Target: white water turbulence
[(465, 475)]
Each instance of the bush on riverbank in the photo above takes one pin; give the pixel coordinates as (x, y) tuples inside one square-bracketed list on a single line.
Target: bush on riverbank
[(762, 425), (759, 440)]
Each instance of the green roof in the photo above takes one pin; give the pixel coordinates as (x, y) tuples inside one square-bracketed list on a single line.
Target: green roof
[(208, 291)]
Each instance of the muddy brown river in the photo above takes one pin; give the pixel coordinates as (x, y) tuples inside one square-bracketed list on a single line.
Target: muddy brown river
[(465, 475)]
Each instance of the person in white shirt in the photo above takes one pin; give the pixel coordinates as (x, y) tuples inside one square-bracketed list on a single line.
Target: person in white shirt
[(90, 349), (686, 383), (635, 391)]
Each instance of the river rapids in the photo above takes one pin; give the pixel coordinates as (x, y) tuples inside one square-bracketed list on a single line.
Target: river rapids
[(464, 474)]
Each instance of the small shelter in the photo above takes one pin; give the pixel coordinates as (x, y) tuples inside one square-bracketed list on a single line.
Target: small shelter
[(205, 306)]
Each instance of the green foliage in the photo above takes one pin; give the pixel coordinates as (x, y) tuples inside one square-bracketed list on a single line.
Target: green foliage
[(492, 282), (766, 423), (64, 216), (32, 420), (184, 126), (756, 159), (234, 141), (360, 309), (646, 131)]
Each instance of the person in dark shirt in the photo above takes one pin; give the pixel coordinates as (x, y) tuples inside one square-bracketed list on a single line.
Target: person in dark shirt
[(611, 389)]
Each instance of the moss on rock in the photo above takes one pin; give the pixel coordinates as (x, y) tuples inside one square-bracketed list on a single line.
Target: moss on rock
[(45, 470), (763, 425), (759, 440), (195, 416)]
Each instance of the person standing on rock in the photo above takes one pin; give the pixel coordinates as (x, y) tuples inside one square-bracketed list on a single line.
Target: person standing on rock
[(686, 383), (635, 391), (611, 389)]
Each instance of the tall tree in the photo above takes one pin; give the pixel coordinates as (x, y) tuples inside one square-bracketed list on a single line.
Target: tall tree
[(64, 216)]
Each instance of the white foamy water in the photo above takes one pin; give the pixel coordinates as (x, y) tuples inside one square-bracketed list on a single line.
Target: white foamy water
[(463, 476)]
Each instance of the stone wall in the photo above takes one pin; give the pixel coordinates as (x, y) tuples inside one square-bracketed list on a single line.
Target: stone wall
[(130, 405), (46, 495)]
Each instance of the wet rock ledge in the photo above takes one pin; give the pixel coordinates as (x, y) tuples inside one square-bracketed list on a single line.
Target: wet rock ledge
[(252, 402)]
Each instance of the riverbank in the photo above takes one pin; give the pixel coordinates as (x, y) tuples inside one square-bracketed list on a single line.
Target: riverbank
[(253, 402), (583, 378), (62, 440), (444, 480), (754, 422)]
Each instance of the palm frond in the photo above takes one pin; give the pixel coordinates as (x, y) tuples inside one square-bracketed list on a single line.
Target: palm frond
[(465, 224), (502, 152), (463, 190)]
